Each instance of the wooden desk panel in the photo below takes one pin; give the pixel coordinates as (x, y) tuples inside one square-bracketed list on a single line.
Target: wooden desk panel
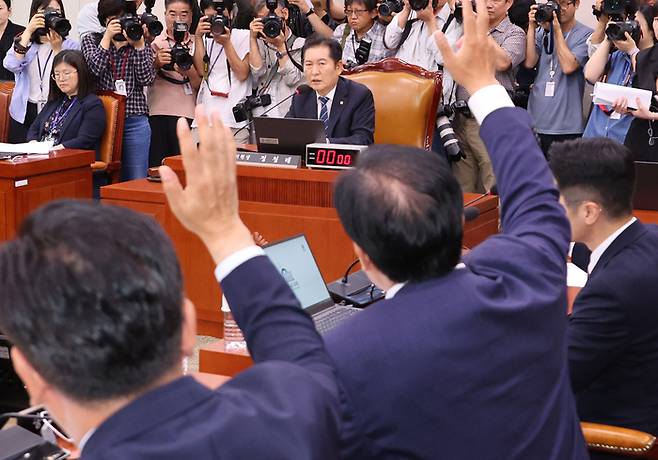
[(277, 203), (28, 183)]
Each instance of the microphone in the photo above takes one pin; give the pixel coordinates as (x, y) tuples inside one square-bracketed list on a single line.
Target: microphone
[(301, 89), (471, 213)]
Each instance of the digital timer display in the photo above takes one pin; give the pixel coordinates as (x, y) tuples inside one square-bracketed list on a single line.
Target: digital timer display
[(332, 156)]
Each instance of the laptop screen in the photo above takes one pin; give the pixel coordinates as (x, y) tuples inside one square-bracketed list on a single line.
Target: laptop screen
[(294, 260)]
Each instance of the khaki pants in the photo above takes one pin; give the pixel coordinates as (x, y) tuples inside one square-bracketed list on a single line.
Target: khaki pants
[(474, 173)]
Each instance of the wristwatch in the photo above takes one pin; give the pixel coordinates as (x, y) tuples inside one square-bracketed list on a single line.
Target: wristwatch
[(310, 12)]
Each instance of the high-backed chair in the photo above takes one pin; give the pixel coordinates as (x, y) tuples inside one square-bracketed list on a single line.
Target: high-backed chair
[(112, 140), (6, 90), (406, 100), (619, 441)]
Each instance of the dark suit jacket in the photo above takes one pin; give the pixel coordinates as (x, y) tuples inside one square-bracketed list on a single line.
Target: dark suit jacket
[(613, 334), (83, 127), (284, 407), (7, 45), (352, 117), (473, 365)]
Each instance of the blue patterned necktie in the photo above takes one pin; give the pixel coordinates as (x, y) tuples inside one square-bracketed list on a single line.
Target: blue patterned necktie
[(324, 113)]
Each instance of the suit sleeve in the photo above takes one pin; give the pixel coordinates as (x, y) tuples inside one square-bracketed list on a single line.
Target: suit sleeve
[(274, 325), (362, 131), (597, 334), (92, 127)]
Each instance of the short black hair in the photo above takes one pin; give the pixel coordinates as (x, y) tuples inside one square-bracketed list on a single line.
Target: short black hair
[(649, 12), (76, 59), (109, 8), (92, 296), (369, 4), (36, 4), (404, 208), (315, 40), (597, 169)]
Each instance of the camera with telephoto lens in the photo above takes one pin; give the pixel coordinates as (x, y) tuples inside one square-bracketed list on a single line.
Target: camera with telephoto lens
[(388, 7), (272, 23), (459, 10), (54, 21), (130, 23), (447, 134), (180, 54), (219, 21), (615, 9), (242, 110), (617, 30), (544, 12), (150, 20)]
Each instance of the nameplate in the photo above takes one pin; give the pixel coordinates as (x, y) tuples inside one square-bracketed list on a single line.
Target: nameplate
[(272, 160)]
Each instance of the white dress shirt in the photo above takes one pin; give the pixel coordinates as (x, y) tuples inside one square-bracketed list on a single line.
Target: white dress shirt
[(330, 102), (601, 248)]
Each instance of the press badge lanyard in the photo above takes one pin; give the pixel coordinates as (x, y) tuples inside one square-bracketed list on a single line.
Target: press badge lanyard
[(42, 74), (208, 70), (58, 118), (550, 84), (120, 79)]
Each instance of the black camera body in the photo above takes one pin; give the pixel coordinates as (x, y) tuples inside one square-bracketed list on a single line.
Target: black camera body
[(150, 20), (615, 9), (242, 110), (544, 12), (459, 10), (180, 54), (272, 23), (447, 134), (617, 30), (388, 7), (54, 21), (219, 22), (130, 23)]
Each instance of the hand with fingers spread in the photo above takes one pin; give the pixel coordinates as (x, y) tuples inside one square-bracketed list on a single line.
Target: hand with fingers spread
[(208, 205), (473, 65)]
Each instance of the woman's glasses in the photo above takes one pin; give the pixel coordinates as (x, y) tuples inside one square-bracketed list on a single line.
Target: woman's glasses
[(61, 76)]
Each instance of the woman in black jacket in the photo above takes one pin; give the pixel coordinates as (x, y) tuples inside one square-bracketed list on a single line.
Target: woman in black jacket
[(74, 117)]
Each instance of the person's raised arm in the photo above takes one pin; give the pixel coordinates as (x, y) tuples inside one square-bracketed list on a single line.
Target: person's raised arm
[(568, 61), (531, 53), (596, 64), (239, 66)]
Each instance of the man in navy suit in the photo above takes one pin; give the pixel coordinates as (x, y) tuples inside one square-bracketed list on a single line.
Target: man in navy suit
[(613, 330), (346, 108), (460, 361), (92, 299)]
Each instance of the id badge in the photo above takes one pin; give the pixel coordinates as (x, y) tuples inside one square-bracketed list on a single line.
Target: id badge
[(188, 89), (615, 116), (120, 88), (40, 105), (550, 89)]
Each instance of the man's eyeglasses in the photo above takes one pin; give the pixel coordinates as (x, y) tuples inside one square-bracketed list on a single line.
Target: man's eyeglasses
[(179, 16), (63, 75), (356, 13)]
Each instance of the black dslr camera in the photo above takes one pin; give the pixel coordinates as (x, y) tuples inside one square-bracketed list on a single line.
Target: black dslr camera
[(447, 134), (615, 9), (54, 21), (219, 21), (617, 30), (272, 23), (388, 7), (361, 54), (544, 12), (150, 20), (242, 110), (130, 22), (459, 10), (180, 54)]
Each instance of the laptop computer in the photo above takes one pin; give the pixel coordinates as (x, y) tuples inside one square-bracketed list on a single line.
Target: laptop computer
[(287, 135), (646, 186), (296, 263)]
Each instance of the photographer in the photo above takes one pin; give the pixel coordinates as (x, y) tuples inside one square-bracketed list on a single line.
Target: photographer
[(174, 90), (557, 45), (223, 60), (123, 63), (307, 18), (31, 62), (271, 66), (474, 172), (614, 62), (362, 38)]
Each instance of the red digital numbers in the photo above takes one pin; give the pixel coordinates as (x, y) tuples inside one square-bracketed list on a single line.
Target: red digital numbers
[(331, 158)]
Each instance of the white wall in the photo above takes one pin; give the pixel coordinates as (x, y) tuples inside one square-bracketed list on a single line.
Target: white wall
[(21, 11)]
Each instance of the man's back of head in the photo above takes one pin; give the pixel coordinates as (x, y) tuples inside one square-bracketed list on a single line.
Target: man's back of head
[(403, 207), (91, 297)]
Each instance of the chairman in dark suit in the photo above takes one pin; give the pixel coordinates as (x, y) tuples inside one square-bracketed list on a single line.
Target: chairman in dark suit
[(346, 108), (459, 362), (92, 299), (613, 331)]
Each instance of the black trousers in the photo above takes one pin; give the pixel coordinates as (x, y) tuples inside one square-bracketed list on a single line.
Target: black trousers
[(164, 140), (546, 140), (18, 131)]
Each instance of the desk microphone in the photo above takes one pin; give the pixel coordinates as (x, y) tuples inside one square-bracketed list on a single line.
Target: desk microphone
[(301, 89)]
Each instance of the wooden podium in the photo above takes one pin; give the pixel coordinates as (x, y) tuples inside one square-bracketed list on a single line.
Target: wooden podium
[(277, 203), (28, 182)]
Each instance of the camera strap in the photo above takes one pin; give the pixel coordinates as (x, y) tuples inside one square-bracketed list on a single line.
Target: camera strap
[(405, 35), (209, 68), (346, 33), (173, 80), (549, 41), (124, 57), (275, 68)]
